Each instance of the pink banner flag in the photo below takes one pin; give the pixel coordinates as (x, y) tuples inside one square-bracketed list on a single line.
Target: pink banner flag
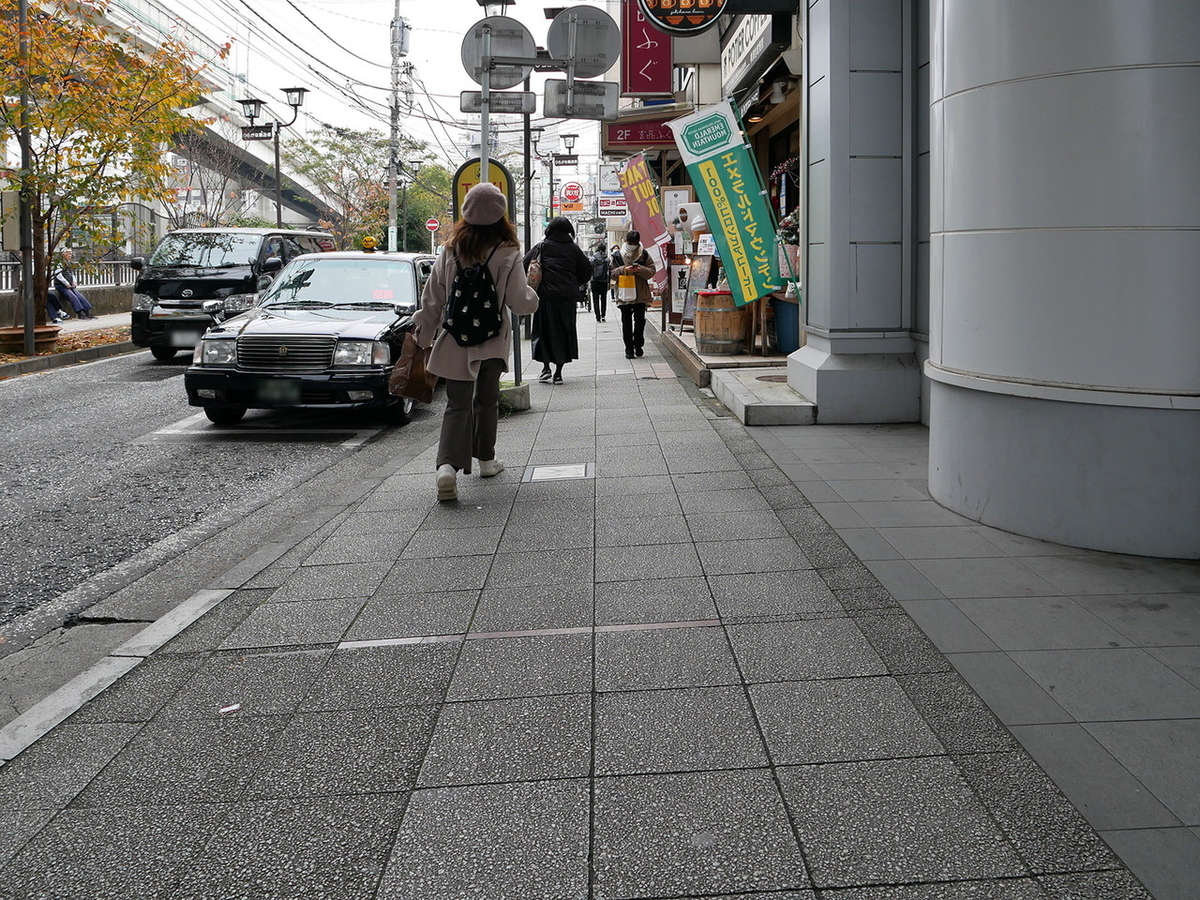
[(641, 194)]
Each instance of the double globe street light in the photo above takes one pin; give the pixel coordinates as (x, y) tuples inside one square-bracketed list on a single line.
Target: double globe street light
[(252, 109)]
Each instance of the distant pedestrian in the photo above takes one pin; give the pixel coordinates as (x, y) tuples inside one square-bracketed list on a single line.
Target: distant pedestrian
[(565, 269), (485, 237), (54, 309), (600, 269), (67, 288), (636, 263)]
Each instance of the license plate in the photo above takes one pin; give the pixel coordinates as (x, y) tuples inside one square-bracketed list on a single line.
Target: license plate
[(280, 391), (184, 338)]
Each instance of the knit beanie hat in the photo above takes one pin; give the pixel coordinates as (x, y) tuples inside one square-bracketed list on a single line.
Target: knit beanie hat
[(484, 204)]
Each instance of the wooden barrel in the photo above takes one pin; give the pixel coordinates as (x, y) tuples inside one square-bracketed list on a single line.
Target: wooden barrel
[(721, 327)]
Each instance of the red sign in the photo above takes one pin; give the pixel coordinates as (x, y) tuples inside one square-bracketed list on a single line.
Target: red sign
[(641, 193), (652, 134), (646, 60), (572, 192), (432, 224), (683, 17)]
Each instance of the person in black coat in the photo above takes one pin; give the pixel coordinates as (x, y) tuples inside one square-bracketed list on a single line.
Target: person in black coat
[(565, 269)]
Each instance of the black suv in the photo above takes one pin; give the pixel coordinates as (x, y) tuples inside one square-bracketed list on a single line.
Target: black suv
[(195, 265)]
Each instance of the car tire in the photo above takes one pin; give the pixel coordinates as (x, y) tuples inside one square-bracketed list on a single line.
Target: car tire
[(399, 411), (163, 353), (225, 415)]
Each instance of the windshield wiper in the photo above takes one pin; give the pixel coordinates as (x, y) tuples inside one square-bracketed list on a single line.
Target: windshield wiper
[(366, 304), (299, 304)]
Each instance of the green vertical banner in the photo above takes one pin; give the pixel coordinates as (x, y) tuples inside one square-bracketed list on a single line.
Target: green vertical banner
[(729, 187)]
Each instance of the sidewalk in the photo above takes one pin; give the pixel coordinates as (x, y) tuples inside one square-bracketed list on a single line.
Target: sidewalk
[(641, 662)]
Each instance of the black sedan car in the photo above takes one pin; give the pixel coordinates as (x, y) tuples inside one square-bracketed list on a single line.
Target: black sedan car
[(325, 336)]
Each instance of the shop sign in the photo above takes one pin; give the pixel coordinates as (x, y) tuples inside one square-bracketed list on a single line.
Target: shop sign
[(612, 205), (652, 134), (646, 59), (730, 191), (743, 52), (641, 195), (467, 177), (686, 18)]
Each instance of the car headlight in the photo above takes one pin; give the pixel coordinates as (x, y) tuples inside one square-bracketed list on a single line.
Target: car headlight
[(218, 352), (143, 301), (361, 353), (236, 303)]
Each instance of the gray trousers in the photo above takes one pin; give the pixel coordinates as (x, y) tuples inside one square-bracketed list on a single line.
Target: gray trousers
[(472, 411)]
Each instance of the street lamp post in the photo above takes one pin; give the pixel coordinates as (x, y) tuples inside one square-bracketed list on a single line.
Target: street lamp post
[(252, 108), (536, 136)]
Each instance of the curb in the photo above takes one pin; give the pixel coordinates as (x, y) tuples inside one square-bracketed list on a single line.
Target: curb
[(70, 358)]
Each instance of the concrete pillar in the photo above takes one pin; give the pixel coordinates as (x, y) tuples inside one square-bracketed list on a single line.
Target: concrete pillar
[(1065, 270), (859, 363)]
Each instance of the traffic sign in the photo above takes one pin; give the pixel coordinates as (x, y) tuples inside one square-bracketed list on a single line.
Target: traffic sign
[(572, 192), (506, 37), (498, 102), (592, 100), (432, 224), (586, 35)]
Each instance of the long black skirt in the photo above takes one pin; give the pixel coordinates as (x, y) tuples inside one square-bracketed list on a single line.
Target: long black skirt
[(553, 337)]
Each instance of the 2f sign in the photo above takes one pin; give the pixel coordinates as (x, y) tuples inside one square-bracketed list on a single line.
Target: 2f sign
[(10, 212)]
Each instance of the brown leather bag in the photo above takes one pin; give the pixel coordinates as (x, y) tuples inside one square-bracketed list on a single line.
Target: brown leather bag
[(410, 378)]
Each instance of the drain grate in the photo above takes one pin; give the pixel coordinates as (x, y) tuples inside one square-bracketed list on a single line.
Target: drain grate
[(560, 473), (774, 379)]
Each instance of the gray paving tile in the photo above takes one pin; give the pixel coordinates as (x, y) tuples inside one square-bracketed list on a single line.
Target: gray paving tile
[(901, 644), (840, 720), (506, 841), (632, 506), (464, 514), (344, 546), (992, 889), (634, 485), (537, 567), (632, 532), (565, 535), (520, 739), (676, 730), (863, 599), (1163, 858), (1040, 623), (330, 848), (17, 826), (997, 577), (453, 542), (647, 561), (795, 651), (297, 623), (654, 600), (828, 549), (881, 489), (1109, 573), (1102, 789), (666, 657), (961, 721), (1007, 690), (903, 581), (534, 607), (1150, 620), (867, 543), (940, 542), (54, 769), (816, 491), (773, 595), (1183, 661), (329, 582), (1105, 685), (526, 666), (1037, 818), (111, 854), (140, 693), (560, 511), (697, 833), (460, 573), (632, 464), (713, 481), (206, 633), (374, 677), (894, 821), (411, 614), (723, 501), (947, 626), (1162, 755), (736, 525), (733, 557), (258, 683), (212, 761), (904, 513)]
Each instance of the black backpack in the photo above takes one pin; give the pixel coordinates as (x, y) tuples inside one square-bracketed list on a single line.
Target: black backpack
[(600, 267), (473, 313)]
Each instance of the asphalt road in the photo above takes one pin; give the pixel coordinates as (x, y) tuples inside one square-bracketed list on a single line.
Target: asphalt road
[(104, 462)]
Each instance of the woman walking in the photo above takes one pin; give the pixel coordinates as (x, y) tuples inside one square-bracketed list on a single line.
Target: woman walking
[(635, 261), (483, 235), (565, 269)]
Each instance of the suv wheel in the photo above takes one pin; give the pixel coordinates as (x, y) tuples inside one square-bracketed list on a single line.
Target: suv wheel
[(399, 411), (225, 415), (163, 353)]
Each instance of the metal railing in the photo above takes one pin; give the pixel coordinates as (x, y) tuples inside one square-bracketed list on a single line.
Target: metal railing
[(102, 273)]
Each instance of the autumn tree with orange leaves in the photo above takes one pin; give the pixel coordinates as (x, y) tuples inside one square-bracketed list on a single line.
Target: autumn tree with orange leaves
[(103, 106)]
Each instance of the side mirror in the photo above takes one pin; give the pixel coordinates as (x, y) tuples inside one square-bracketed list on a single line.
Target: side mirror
[(213, 307), (137, 263), (271, 265), (405, 309)]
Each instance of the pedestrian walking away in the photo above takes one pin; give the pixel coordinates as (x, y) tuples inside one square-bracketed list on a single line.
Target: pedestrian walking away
[(600, 269), (637, 266), (482, 252), (67, 288), (565, 270)]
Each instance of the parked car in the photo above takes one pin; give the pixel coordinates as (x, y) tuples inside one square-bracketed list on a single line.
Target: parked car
[(192, 266), (325, 335)]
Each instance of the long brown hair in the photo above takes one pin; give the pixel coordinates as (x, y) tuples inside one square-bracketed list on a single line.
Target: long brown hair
[(472, 243)]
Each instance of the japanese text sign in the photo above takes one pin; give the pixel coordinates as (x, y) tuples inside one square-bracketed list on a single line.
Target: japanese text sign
[(730, 192), (651, 135), (646, 59), (641, 195)]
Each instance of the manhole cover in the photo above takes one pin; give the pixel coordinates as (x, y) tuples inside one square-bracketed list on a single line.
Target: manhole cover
[(558, 473), (774, 379)]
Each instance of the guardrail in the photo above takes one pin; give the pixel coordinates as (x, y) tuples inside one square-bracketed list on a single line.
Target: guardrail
[(102, 273)]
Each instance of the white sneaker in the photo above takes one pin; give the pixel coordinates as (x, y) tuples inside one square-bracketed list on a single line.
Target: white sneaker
[(489, 468), (447, 482)]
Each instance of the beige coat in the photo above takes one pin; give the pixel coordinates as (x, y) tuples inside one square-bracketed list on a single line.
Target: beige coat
[(641, 266), (448, 359)]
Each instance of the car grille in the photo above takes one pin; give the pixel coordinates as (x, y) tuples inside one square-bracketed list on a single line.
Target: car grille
[(271, 353)]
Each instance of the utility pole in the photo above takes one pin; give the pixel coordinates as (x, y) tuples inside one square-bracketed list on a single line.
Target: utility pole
[(399, 39)]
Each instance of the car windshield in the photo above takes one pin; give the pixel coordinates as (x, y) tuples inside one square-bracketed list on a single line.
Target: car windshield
[(208, 249), (345, 283)]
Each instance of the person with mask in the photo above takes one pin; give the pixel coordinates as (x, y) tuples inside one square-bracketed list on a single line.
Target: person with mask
[(635, 262), (565, 269)]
